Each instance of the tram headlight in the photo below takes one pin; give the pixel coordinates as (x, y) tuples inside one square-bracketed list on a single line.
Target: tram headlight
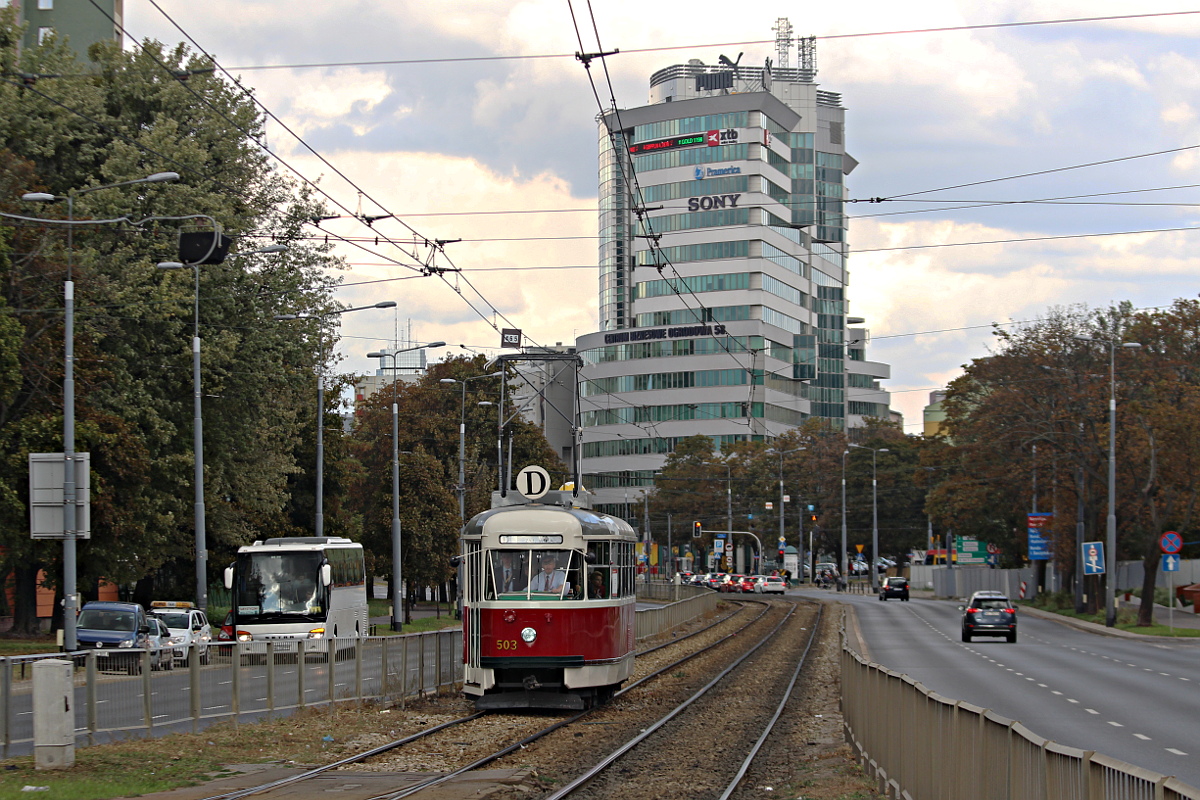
[(528, 635)]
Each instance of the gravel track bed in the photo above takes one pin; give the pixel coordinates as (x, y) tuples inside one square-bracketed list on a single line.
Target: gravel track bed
[(564, 753), (697, 753), (461, 745)]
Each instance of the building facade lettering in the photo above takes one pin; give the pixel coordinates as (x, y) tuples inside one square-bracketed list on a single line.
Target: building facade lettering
[(686, 331)]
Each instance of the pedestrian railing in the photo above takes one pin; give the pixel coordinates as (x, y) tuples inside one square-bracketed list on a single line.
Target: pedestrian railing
[(126, 693), (120, 694), (922, 746), (683, 603)]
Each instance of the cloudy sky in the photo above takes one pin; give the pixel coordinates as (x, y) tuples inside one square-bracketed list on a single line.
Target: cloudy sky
[(465, 142)]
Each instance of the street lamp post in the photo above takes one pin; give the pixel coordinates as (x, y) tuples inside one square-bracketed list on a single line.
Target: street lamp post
[(198, 421), (1110, 565), (70, 601), (320, 512), (874, 514), (844, 559), (396, 549), (461, 489), (782, 538)]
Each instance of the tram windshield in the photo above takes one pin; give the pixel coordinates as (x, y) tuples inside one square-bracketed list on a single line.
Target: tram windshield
[(535, 574)]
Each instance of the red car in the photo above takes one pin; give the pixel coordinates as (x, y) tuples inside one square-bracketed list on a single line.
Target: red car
[(731, 583), (747, 583)]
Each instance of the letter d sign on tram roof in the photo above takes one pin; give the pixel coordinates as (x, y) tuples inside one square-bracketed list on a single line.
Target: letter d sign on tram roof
[(533, 482)]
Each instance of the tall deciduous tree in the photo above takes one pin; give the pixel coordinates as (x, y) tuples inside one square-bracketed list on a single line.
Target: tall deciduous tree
[(125, 118)]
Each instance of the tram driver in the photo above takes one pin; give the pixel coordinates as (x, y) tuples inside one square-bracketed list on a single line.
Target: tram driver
[(550, 578)]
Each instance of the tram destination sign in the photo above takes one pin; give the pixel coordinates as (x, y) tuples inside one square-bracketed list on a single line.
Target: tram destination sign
[(653, 334)]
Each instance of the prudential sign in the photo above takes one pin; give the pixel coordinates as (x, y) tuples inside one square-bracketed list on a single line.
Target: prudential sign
[(716, 172)]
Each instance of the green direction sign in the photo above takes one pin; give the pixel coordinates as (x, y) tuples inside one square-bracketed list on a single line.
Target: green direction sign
[(970, 550)]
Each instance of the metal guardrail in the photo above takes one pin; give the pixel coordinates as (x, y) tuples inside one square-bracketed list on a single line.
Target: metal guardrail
[(904, 736), (117, 694), (682, 604), (241, 681)]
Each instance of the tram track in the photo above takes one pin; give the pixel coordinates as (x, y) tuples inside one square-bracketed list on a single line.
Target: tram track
[(633, 769), (538, 729)]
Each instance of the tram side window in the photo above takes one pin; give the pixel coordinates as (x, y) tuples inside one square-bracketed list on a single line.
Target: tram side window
[(474, 577), (600, 584)]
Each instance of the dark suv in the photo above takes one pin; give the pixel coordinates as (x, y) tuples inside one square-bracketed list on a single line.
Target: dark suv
[(989, 614), (893, 587)]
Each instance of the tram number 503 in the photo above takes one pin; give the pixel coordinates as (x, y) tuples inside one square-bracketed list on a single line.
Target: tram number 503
[(506, 644)]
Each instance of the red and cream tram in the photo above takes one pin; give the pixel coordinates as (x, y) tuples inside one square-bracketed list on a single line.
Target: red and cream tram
[(548, 606)]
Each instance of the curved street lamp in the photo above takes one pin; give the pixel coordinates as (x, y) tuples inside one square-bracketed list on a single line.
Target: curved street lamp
[(461, 489), (874, 515), (320, 512), (397, 572), (70, 599), (1110, 558), (197, 409)]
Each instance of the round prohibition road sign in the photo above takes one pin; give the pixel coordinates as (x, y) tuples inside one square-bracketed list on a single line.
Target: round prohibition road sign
[(1171, 542), (533, 482)]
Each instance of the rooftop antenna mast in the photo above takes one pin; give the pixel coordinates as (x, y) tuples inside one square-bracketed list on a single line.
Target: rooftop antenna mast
[(783, 42), (807, 53)]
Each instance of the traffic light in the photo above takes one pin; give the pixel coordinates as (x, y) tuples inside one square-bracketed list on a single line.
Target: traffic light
[(781, 555), (696, 529), (812, 518)]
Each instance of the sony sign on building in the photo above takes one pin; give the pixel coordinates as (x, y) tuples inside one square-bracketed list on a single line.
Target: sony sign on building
[(723, 271)]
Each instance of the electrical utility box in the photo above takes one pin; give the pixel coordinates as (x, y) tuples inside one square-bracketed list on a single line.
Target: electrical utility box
[(53, 714)]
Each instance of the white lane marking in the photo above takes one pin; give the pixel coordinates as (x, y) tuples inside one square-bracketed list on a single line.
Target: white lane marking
[(1176, 752), (1091, 711), (1115, 724), (1042, 685), (1052, 691), (1070, 700), (224, 683), (1165, 674), (1029, 679), (1142, 736), (212, 708)]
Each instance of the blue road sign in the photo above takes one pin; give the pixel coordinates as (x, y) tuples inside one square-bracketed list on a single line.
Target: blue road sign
[(1170, 562), (1039, 546), (1171, 542), (1093, 558)]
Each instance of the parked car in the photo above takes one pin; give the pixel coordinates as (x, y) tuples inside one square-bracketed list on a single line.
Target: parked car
[(162, 654), (114, 629), (770, 584), (893, 587), (190, 631), (989, 614)]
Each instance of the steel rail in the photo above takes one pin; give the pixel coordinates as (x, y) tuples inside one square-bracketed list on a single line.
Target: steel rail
[(359, 757), (787, 696), (484, 761), (614, 756)]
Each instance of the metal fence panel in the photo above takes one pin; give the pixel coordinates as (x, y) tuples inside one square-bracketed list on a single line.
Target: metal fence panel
[(917, 744)]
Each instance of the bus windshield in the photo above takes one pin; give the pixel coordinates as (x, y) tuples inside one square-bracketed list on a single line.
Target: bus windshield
[(279, 585)]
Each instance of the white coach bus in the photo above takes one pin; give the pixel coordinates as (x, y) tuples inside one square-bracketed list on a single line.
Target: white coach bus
[(298, 588)]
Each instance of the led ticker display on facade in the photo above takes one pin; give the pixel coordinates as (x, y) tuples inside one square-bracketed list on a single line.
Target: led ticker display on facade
[(668, 144)]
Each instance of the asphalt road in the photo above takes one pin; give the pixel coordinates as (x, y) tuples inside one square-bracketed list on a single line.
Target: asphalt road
[(1138, 701)]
